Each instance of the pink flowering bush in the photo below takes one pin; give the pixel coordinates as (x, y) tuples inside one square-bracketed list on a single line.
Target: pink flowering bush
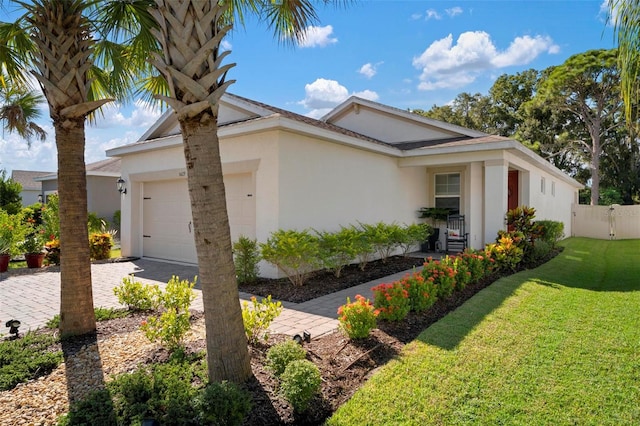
[(391, 301), (357, 318)]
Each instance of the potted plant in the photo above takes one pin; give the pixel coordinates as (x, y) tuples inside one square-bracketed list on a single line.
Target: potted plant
[(12, 231), (436, 216), (32, 247)]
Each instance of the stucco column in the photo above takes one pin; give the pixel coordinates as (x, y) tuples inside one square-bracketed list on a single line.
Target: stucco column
[(495, 197), (473, 211)]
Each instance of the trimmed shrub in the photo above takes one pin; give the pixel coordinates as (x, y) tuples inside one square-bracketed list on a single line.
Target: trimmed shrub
[(137, 296), (551, 231), (413, 235), (422, 291), (337, 249), (258, 317), (246, 256), (358, 318), (363, 246), (443, 274), (300, 383), (281, 354), (224, 404), (541, 251), (296, 253), (100, 245), (391, 301), (385, 238)]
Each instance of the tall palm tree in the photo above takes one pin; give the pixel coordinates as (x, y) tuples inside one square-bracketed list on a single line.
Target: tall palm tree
[(190, 33), (626, 19), (56, 41)]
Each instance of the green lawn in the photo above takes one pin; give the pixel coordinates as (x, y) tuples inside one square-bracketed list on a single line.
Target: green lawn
[(556, 345)]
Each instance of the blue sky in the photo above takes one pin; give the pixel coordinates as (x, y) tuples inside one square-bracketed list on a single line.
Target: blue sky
[(407, 54)]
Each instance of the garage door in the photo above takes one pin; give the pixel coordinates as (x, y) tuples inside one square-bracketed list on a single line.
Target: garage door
[(167, 226)]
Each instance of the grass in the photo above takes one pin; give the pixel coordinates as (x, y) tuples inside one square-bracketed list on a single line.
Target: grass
[(555, 345)]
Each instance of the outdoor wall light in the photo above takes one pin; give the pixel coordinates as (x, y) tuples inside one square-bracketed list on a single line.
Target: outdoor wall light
[(121, 188), (40, 198), (13, 326)]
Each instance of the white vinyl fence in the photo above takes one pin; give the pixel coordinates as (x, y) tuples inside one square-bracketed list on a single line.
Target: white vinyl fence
[(613, 222)]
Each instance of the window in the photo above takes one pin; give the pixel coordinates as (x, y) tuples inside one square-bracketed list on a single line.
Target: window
[(542, 185), (448, 192), (553, 189)]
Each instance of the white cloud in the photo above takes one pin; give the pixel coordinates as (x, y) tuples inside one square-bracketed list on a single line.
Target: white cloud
[(448, 65), (17, 155), (317, 37), (369, 70), (143, 115), (415, 16), (454, 11), (432, 14), (323, 95)]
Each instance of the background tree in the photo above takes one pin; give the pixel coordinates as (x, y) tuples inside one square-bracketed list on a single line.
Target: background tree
[(587, 86), (10, 199)]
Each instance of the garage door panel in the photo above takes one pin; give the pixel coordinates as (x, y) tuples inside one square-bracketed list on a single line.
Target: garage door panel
[(167, 216)]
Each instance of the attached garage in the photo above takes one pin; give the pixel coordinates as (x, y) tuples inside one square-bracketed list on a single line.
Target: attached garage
[(167, 228)]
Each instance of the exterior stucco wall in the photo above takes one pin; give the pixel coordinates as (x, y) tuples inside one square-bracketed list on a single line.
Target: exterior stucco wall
[(324, 186), (103, 197), (29, 196), (556, 200)]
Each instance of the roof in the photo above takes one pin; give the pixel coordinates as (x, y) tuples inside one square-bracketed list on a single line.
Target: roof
[(106, 167), (26, 178)]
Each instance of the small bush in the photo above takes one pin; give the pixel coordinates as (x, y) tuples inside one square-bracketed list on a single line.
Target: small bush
[(27, 358), (300, 383), (443, 274), (96, 224), (258, 317), (476, 264), (413, 235), (281, 354), (246, 256), (337, 249), (506, 253), (551, 231), (173, 323), (296, 253), (541, 251), (358, 318), (422, 291), (363, 246), (224, 404), (137, 296), (384, 237), (52, 247), (95, 409), (100, 245), (391, 301)]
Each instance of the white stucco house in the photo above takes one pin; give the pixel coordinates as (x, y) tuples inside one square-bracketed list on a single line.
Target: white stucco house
[(363, 161)]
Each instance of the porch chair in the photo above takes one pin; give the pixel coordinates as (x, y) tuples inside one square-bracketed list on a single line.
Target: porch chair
[(456, 237)]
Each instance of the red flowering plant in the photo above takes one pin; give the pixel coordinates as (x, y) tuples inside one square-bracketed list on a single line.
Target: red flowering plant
[(443, 274), (422, 291), (463, 275), (477, 265), (391, 300), (357, 318)]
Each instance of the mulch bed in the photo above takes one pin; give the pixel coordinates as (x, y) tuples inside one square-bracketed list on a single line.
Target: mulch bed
[(345, 365)]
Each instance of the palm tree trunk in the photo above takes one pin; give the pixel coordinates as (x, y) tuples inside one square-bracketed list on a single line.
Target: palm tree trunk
[(76, 295), (227, 355)]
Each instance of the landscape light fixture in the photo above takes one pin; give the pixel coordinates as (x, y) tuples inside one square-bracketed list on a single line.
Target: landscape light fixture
[(306, 337), (121, 188), (13, 326), (40, 198)]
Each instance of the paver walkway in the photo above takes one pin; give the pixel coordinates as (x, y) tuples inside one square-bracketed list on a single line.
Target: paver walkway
[(34, 298)]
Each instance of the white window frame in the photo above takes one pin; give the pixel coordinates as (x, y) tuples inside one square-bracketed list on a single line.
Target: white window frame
[(457, 195), (543, 185)]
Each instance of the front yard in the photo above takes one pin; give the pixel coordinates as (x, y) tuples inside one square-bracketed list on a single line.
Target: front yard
[(559, 344)]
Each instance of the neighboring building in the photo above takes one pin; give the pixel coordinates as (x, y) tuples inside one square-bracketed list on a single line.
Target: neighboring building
[(364, 161), (102, 195), (31, 188)]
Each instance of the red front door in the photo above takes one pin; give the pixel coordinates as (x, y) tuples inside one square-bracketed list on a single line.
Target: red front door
[(512, 187)]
